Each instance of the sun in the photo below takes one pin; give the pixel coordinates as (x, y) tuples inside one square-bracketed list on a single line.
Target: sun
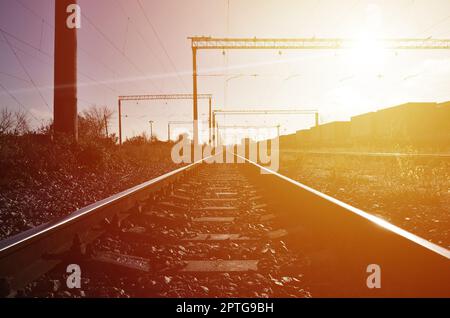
[(367, 54)]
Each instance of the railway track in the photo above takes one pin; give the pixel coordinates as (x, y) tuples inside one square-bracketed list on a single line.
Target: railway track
[(223, 230)]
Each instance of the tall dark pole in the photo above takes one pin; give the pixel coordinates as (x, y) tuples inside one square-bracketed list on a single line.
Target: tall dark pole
[(151, 129), (120, 121), (106, 125), (168, 132), (210, 121), (317, 120), (195, 95), (214, 129), (65, 72), (217, 132), (218, 135)]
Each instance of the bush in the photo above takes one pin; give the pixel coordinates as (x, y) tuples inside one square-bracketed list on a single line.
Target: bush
[(90, 156)]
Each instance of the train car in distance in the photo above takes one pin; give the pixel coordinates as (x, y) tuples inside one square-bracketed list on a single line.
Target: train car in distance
[(411, 126), (335, 134), (362, 128)]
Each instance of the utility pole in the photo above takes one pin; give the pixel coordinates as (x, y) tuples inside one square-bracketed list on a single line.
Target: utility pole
[(168, 132), (195, 97), (65, 69), (210, 121), (106, 125), (214, 135), (120, 121), (151, 130)]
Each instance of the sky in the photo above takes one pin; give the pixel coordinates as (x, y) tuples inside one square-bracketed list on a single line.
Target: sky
[(142, 47)]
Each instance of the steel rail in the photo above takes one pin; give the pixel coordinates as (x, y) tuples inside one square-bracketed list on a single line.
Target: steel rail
[(374, 219), (21, 256), (342, 241)]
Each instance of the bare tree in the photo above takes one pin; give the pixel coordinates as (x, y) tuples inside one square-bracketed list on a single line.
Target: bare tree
[(13, 123), (6, 121), (95, 120), (21, 123)]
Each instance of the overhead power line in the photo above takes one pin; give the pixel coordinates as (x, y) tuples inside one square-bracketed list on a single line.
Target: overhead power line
[(161, 43), (26, 71), (19, 103), (143, 38), (113, 45)]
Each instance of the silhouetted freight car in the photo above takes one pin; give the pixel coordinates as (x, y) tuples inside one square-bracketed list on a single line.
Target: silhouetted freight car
[(288, 141), (362, 129), (335, 133), (315, 136), (442, 123), (412, 124), (417, 125), (303, 137)]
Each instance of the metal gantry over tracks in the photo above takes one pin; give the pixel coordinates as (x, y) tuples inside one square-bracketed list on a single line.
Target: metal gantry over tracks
[(159, 97), (211, 43)]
